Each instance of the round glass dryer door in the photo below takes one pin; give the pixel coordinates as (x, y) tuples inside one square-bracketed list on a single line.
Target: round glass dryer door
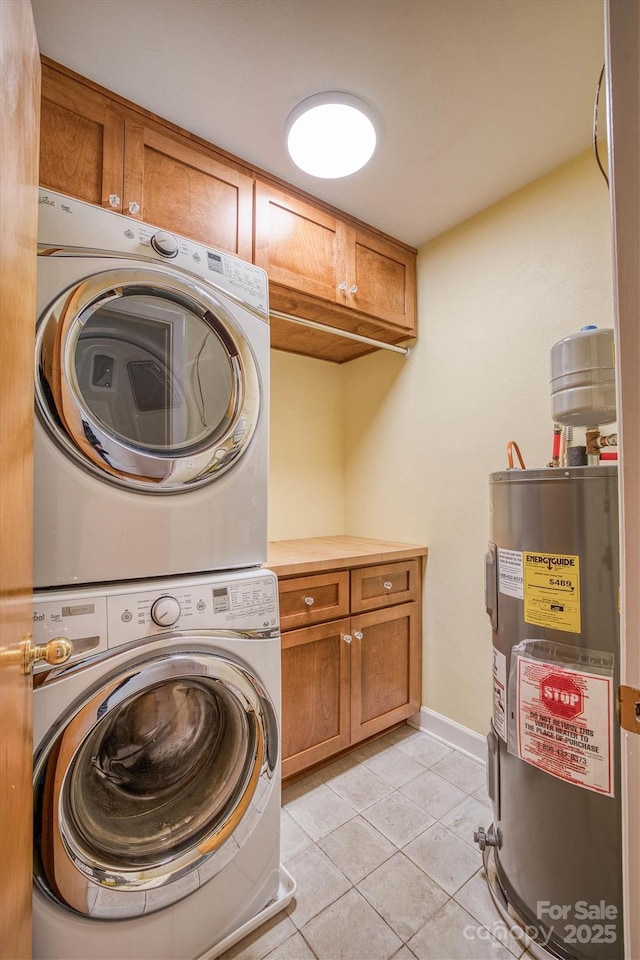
[(146, 379), (150, 787)]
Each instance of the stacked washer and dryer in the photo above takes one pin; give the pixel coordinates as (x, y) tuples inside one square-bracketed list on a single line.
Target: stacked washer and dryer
[(156, 745)]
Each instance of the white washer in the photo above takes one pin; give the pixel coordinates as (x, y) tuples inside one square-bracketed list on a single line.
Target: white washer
[(152, 388), (157, 768)]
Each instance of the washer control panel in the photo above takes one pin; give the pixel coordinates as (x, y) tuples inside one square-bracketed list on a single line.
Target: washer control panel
[(97, 621)]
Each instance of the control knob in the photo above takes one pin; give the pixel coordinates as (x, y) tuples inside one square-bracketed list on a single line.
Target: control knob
[(165, 244), (165, 611)]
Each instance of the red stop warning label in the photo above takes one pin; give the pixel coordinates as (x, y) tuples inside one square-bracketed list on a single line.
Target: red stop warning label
[(564, 722), (561, 696)]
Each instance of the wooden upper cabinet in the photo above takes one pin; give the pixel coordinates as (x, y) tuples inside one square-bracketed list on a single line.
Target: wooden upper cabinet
[(307, 249), (180, 187), (301, 246), (94, 148), (81, 141), (383, 274), (323, 266)]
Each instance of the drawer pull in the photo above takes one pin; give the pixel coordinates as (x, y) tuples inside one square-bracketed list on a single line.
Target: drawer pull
[(358, 634), (308, 601), (387, 584), (347, 637)]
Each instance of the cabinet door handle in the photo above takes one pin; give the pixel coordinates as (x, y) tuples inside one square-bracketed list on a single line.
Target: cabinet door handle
[(134, 208), (342, 286), (353, 288), (309, 601), (387, 584), (347, 637), (358, 634), (114, 200)]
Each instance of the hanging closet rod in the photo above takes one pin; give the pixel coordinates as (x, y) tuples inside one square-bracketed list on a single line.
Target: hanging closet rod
[(405, 351)]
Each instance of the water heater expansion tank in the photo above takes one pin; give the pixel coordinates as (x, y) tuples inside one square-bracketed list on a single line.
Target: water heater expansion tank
[(583, 390)]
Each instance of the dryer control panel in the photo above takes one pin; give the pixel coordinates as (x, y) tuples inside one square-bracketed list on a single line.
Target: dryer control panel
[(97, 620), (66, 222)]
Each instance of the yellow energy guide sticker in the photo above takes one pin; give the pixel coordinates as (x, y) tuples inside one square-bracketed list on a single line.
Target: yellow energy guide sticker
[(552, 591)]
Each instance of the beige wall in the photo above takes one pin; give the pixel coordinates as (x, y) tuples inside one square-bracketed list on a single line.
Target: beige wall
[(422, 435), (402, 449), (306, 472)]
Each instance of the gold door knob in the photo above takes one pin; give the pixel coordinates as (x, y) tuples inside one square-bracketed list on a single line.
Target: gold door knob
[(55, 652)]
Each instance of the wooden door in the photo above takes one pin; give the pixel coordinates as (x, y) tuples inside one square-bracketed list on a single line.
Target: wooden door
[(179, 186), (20, 108), (381, 279), (301, 246), (81, 143), (315, 694), (385, 668)]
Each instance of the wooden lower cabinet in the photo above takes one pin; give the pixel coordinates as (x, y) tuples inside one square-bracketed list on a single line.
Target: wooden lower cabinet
[(348, 679), (316, 694), (385, 684)]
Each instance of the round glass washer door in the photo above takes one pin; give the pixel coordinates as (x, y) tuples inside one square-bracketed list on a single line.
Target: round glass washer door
[(146, 380), (151, 785)]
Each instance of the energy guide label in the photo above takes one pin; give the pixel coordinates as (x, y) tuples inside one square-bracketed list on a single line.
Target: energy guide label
[(552, 591)]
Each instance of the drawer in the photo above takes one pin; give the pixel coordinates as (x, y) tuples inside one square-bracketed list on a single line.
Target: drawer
[(384, 584), (313, 599)]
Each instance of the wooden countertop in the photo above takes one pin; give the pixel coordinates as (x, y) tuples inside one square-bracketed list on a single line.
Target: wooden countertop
[(289, 558)]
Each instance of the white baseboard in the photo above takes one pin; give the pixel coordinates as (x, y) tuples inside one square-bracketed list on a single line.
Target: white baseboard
[(450, 732)]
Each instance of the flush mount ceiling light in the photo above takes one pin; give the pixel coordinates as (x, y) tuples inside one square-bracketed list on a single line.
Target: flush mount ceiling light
[(330, 135)]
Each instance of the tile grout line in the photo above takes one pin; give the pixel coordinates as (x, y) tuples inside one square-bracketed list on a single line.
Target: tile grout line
[(394, 791)]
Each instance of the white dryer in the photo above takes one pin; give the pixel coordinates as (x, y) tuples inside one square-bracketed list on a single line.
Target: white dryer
[(157, 768), (152, 388)]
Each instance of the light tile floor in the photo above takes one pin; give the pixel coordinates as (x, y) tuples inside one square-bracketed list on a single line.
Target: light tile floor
[(380, 843)]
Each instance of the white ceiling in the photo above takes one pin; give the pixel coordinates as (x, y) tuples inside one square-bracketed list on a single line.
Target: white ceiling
[(474, 98)]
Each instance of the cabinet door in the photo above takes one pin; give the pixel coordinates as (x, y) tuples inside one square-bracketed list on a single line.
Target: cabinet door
[(381, 279), (299, 245), (315, 694), (81, 142), (385, 668), (175, 184)]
